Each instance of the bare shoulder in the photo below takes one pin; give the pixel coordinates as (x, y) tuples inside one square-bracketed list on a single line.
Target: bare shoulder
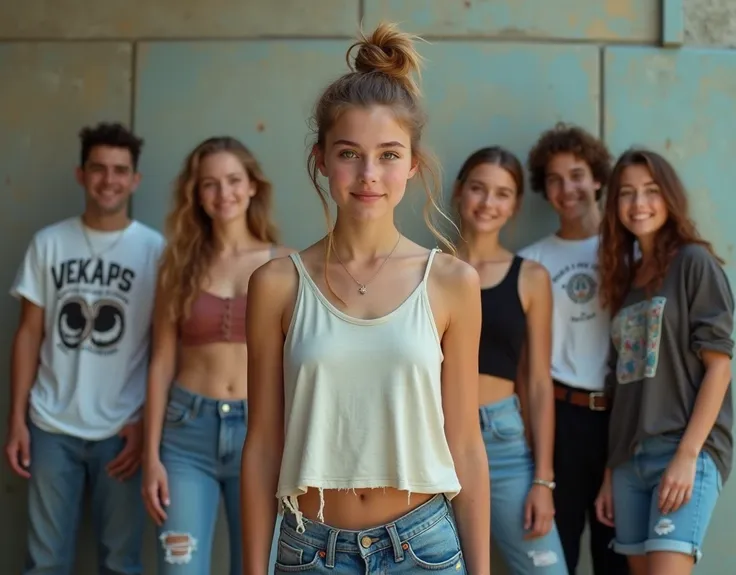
[(534, 283), (533, 272), (454, 276), (276, 280)]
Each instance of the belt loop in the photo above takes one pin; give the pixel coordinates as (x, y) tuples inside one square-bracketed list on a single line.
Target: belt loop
[(395, 542), (485, 422), (517, 402), (196, 405), (331, 544)]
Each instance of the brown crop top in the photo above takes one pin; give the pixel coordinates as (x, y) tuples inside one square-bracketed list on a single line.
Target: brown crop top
[(214, 319)]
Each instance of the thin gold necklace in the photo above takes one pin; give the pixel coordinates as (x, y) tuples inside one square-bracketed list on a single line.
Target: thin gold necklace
[(363, 287)]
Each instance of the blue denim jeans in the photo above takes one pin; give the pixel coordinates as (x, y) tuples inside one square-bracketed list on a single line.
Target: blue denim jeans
[(201, 447), (512, 472), (61, 466), (640, 527), (424, 539)]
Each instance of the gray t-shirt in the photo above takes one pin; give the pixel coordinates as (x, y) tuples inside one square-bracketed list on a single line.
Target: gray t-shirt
[(656, 370)]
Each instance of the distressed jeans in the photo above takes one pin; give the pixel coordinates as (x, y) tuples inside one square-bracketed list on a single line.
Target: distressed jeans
[(640, 526), (61, 467), (424, 540), (512, 473), (201, 447)]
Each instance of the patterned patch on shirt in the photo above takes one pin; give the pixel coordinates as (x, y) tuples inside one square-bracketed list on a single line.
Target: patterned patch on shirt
[(636, 332)]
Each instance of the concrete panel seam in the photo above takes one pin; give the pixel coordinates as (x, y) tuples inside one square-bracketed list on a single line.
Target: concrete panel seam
[(673, 23), (602, 93), (172, 40), (133, 98)]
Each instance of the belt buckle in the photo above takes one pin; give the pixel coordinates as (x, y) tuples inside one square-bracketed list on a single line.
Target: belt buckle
[(591, 400)]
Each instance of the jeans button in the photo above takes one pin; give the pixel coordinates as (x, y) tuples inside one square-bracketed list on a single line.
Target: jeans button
[(366, 542), (225, 408)]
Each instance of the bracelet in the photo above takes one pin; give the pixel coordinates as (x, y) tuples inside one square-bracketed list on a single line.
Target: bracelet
[(548, 484)]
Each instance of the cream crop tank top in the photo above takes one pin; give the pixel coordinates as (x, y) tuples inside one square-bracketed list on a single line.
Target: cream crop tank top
[(362, 399)]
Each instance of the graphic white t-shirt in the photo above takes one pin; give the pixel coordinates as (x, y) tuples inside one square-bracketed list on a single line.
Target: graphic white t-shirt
[(97, 292), (580, 327)]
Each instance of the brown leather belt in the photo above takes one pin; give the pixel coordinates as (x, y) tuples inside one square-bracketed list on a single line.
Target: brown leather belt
[(593, 400)]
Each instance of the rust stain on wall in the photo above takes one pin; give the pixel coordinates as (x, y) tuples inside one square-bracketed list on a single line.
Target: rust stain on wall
[(599, 29), (621, 9)]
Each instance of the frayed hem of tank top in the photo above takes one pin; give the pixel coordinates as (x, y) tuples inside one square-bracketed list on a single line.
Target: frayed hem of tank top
[(291, 502)]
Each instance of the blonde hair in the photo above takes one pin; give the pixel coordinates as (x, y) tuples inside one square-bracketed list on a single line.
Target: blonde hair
[(190, 246), (381, 75)]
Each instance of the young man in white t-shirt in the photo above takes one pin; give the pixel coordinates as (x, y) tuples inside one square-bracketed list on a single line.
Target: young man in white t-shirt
[(80, 355), (570, 168)]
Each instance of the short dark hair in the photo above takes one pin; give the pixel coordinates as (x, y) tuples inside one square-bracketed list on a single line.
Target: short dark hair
[(114, 135), (569, 139)]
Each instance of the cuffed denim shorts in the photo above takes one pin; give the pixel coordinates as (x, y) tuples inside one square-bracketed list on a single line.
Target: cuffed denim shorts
[(640, 526), (424, 539)]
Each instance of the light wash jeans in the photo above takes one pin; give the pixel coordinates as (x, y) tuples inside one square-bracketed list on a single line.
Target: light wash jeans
[(640, 527), (423, 540), (512, 472), (61, 466), (201, 447)]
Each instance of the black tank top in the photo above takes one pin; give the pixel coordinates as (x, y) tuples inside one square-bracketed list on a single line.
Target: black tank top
[(503, 326)]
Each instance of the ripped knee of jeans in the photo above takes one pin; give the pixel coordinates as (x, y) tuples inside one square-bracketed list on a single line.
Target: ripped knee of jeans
[(178, 547), (543, 558)]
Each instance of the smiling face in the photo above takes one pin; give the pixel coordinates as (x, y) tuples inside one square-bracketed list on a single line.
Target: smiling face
[(368, 161), (641, 206), (488, 198), (109, 179), (224, 187), (570, 187)]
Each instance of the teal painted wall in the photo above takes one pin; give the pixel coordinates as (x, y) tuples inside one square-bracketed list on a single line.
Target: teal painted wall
[(498, 71)]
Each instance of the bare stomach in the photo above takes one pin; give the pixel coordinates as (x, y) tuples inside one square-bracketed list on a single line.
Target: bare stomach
[(216, 370), (360, 508), (492, 389)]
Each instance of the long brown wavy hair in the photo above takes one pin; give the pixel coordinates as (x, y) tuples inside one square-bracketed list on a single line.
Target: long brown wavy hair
[(190, 247), (616, 250)]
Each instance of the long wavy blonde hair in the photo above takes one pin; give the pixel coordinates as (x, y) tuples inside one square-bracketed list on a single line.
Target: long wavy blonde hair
[(190, 246)]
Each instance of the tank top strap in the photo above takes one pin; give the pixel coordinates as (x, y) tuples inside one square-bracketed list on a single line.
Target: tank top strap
[(515, 270), (298, 264), (272, 252), (432, 252)]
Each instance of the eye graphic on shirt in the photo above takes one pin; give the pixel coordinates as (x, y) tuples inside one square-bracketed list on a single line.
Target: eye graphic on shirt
[(101, 322)]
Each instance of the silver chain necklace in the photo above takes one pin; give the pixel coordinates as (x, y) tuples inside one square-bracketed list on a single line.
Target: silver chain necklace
[(363, 287), (96, 254)]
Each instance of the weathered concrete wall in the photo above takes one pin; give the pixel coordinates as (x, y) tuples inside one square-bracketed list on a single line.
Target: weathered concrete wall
[(497, 72), (710, 22)]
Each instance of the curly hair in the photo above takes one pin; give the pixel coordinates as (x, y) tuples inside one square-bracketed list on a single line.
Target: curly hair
[(113, 135), (190, 246), (616, 248), (568, 139)]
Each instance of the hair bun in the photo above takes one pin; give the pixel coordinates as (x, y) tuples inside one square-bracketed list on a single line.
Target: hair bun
[(390, 52)]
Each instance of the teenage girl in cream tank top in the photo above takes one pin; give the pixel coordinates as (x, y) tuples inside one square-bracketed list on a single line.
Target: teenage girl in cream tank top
[(363, 365)]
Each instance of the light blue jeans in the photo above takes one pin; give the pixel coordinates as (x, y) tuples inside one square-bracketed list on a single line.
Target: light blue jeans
[(61, 466), (201, 449), (423, 540), (640, 526), (512, 472)]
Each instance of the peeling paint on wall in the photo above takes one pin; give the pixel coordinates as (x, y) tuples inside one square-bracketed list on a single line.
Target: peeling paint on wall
[(619, 20), (177, 19)]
